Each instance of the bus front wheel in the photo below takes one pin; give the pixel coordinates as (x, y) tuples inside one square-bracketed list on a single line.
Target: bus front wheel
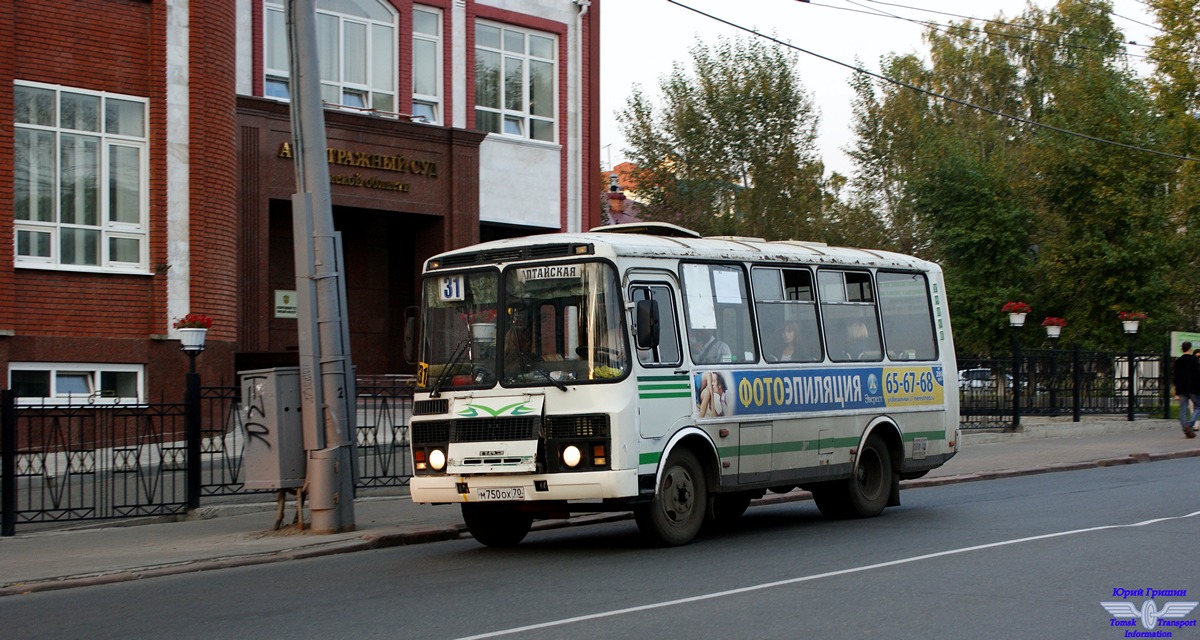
[(676, 513), (496, 525)]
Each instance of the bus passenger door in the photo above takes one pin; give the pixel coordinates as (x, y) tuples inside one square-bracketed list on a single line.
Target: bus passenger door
[(664, 393)]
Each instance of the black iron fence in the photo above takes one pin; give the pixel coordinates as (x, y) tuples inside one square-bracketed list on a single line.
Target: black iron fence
[(63, 463), (71, 462), (997, 392)]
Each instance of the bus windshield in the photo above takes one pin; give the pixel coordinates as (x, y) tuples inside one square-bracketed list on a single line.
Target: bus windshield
[(548, 325)]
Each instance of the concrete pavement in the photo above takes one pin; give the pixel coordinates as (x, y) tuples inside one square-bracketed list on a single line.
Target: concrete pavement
[(232, 534)]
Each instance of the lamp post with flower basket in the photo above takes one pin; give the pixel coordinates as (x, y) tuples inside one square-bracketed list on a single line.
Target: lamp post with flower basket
[(1130, 320), (1016, 310), (193, 330), (1054, 327)]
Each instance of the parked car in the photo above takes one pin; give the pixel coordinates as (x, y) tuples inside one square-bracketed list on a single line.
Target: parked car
[(976, 379)]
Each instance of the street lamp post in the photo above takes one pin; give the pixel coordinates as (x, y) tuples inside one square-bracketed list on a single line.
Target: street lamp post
[(1053, 332), (191, 343), (1016, 321), (1131, 329)]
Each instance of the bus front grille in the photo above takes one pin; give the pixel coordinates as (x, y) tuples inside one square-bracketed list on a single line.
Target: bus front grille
[(475, 430)]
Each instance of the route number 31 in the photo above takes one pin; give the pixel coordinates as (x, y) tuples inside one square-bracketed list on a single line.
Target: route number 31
[(452, 289)]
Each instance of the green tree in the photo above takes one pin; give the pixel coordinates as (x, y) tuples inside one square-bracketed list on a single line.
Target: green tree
[(1075, 226), (732, 150), (1175, 86)]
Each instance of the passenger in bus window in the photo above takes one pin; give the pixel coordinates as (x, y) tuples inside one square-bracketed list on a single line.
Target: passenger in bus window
[(860, 345), (789, 352), (707, 349), (712, 395)]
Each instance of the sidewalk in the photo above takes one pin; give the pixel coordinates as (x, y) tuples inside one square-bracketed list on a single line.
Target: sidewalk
[(231, 535)]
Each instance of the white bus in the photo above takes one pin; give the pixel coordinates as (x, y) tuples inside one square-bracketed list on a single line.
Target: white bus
[(645, 368)]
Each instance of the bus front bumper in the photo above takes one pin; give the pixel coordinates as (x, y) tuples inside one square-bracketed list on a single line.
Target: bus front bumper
[(590, 485)]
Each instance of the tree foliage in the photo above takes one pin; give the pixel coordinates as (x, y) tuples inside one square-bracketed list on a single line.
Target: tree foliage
[(1012, 210), (1013, 186), (732, 148)]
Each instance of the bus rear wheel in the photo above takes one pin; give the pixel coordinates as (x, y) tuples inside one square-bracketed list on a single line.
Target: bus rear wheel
[(866, 493), (676, 513), (496, 525)]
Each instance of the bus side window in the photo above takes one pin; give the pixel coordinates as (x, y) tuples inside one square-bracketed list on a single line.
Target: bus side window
[(907, 315), (716, 300), (787, 314), (849, 316), (667, 353)]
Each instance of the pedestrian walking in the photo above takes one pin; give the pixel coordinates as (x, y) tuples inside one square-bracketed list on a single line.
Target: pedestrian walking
[(1187, 389)]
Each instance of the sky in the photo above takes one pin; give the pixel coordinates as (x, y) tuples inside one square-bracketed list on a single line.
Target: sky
[(640, 40)]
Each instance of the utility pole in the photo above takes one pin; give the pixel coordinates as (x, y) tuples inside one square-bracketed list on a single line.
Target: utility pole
[(326, 375)]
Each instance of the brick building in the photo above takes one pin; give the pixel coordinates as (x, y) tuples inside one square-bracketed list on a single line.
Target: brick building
[(147, 172)]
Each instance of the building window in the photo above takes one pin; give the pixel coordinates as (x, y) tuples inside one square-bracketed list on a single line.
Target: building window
[(76, 383), (356, 48), (80, 183), (514, 82), (427, 64)]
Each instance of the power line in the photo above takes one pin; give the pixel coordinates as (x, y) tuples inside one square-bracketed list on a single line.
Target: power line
[(962, 30), (928, 92), (1048, 30)]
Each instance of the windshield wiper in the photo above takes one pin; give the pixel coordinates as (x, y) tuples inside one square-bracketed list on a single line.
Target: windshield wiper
[(530, 363), (454, 358)]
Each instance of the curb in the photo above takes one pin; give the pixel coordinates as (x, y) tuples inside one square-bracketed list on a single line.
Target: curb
[(400, 537)]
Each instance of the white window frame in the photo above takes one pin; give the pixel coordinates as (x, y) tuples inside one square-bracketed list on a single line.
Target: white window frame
[(522, 120), (91, 370), (433, 101), (108, 229), (335, 90)]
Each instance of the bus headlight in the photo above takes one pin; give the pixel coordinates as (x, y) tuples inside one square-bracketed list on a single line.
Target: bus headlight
[(437, 459), (571, 456)]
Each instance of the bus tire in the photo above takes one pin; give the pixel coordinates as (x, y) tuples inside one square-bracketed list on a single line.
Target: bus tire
[(866, 493), (496, 525), (676, 513), (832, 499), (871, 485)]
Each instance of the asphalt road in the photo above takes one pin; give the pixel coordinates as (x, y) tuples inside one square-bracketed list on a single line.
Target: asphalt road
[(1028, 557)]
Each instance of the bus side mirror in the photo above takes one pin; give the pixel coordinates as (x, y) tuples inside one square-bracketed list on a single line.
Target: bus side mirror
[(410, 337), (647, 324)]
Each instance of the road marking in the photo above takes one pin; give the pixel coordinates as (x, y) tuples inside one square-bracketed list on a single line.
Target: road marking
[(818, 576)]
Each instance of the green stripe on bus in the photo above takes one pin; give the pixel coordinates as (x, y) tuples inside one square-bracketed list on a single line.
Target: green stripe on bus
[(928, 435), (683, 394), (650, 387), (791, 446), (661, 378)]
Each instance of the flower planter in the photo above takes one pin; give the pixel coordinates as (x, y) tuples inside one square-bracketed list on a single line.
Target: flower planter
[(192, 339), (1131, 326), (1016, 319), (484, 332), (1053, 331)]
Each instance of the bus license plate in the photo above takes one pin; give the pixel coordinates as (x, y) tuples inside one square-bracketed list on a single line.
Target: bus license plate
[(503, 493)]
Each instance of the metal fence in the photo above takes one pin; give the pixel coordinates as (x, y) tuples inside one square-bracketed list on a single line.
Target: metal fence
[(82, 462), (64, 463), (1061, 383)]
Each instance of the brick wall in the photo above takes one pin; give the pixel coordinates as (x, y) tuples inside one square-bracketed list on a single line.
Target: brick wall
[(100, 45), (214, 187)]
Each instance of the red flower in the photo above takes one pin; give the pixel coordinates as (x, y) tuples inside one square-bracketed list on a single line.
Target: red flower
[(486, 315), (1015, 307), (194, 321), (1054, 322), (1131, 315)]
